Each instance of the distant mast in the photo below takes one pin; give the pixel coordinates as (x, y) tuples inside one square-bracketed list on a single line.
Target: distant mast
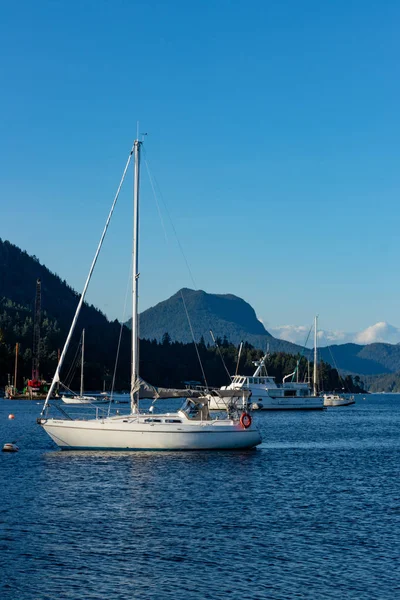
[(16, 368), (315, 386), (83, 360)]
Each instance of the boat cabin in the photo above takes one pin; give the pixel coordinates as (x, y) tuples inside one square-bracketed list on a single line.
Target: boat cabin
[(242, 381), (261, 385), (196, 409)]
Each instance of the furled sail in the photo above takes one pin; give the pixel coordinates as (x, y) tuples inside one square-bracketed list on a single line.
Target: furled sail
[(146, 390)]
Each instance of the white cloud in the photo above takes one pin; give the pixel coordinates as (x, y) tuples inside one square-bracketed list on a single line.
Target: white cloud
[(292, 333), (380, 332)]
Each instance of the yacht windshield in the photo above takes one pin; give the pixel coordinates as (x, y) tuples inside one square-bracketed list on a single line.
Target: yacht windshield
[(191, 408)]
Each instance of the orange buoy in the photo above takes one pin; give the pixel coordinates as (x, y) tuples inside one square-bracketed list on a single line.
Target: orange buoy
[(11, 416)]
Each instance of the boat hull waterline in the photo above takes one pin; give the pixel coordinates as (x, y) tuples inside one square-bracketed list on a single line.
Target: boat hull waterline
[(112, 434)]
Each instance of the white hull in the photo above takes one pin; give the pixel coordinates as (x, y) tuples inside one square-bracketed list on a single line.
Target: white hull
[(83, 400), (135, 434), (338, 401), (268, 403)]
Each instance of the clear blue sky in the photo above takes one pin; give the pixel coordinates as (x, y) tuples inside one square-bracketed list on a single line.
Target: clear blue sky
[(273, 134)]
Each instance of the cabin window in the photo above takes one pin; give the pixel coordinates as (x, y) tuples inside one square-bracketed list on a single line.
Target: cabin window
[(152, 421), (191, 408), (290, 393), (173, 421), (251, 380)]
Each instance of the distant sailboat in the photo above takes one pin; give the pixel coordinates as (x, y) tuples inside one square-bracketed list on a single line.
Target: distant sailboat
[(190, 428), (338, 399), (80, 399)]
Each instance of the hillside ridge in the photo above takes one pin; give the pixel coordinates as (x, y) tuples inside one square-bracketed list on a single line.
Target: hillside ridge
[(227, 315)]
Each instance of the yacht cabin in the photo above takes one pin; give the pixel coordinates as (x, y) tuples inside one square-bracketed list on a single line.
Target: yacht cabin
[(267, 383)]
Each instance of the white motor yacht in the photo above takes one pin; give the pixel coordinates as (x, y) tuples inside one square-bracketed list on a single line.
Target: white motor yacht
[(266, 394)]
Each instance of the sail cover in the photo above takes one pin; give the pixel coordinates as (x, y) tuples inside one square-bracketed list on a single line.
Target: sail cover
[(146, 390)]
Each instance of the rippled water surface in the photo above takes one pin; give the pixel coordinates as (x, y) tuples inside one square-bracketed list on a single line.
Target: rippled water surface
[(312, 513)]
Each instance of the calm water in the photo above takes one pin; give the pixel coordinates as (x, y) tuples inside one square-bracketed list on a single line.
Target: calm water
[(313, 513)]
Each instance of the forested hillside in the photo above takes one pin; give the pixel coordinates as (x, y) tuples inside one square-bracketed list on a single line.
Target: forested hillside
[(18, 275), (372, 359), (390, 382), (171, 363)]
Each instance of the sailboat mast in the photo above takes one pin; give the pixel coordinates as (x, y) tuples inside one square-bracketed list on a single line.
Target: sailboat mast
[(135, 282), (56, 377), (82, 360), (315, 357)]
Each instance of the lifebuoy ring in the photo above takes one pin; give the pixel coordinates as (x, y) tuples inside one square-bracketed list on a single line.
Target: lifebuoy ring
[(245, 420)]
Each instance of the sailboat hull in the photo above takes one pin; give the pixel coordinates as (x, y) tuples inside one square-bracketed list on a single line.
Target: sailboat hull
[(112, 434)]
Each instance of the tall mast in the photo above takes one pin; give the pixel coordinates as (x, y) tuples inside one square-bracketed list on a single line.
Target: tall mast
[(83, 359), (56, 377), (135, 282), (315, 357)]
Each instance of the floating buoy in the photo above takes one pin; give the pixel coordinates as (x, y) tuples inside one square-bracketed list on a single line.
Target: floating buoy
[(10, 447), (11, 416)]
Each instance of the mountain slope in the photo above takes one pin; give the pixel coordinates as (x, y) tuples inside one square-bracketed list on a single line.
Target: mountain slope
[(230, 316), (18, 275), (372, 359), (225, 314)]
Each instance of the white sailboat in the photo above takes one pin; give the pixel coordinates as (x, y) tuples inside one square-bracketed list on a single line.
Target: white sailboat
[(80, 399), (338, 399), (266, 394), (190, 428)]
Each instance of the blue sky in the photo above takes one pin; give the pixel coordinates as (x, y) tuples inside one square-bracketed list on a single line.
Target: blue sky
[(273, 135)]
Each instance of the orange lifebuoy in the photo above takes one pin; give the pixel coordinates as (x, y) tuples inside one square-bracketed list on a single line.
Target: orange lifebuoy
[(245, 420)]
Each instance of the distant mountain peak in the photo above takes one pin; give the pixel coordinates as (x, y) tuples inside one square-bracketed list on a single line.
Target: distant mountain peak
[(225, 314)]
